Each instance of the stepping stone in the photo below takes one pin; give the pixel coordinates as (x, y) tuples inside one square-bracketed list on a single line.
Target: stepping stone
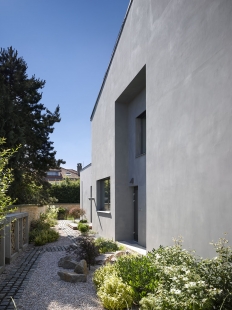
[(73, 226)]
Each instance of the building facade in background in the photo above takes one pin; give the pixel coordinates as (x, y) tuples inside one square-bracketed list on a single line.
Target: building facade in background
[(162, 128), (60, 174)]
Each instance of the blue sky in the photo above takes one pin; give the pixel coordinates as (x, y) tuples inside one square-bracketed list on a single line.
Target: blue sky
[(68, 43)]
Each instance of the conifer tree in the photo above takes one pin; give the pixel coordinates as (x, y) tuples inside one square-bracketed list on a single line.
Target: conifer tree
[(25, 121)]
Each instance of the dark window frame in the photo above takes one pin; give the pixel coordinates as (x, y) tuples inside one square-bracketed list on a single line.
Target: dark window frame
[(141, 134), (103, 197)]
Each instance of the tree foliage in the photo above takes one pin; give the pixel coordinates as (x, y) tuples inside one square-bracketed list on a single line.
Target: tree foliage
[(26, 121), (6, 179)]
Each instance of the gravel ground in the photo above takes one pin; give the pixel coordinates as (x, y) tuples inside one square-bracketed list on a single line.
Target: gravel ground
[(45, 290)]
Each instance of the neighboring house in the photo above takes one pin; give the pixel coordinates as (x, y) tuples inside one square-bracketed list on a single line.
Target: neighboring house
[(162, 128), (58, 175)]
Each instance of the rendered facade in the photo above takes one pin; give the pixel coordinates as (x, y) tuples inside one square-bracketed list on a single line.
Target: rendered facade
[(162, 128)]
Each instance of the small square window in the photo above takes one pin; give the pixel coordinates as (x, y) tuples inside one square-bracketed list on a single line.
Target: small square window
[(103, 197), (141, 134)]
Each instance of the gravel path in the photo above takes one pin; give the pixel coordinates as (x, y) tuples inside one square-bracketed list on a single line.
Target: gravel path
[(45, 290)]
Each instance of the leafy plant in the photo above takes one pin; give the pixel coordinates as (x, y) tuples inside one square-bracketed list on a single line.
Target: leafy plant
[(103, 273), (180, 284), (46, 236), (50, 216), (139, 273), (83, 227), (106, 245), (115, 294), (62, 213), (40, 231), (88, 250), (83, 221), (217, 273), (76, 212), (173, 278)]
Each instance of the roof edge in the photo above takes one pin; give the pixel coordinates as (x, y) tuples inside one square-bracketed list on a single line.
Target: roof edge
[(111, 59), (89, 165)]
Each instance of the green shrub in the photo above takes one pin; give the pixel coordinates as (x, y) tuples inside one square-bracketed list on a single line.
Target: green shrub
[(217, 272), (66, 191), (40, 231), (88, 250), (50, 216), (46, 236), (39, 225), (62, 213), (83, 221), (106, 245), (83, 227), (115, 294), (139, 273), (103, 273), (172, 278), (179, 282)]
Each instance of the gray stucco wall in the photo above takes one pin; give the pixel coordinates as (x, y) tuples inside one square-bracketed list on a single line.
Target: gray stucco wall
[(189, 118), (186, 47)]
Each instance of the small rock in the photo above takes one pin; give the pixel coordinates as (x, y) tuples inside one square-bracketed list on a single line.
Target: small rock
[(72, 277), (81, 267), (112, 258)]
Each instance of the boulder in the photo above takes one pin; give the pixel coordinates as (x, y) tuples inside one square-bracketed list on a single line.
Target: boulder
[(63, 259), (67, 262), (72, 277), (81, 267)]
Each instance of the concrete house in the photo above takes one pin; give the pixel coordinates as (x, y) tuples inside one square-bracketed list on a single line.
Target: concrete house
[(162, 128)]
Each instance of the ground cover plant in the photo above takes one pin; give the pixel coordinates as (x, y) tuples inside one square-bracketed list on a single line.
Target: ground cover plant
[(169, 278), (106, 245), (41, 231)]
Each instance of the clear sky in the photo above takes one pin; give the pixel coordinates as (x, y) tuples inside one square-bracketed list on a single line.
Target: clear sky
[(67, 43)]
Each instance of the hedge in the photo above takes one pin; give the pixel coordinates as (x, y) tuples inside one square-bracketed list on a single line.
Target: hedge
[(66, 191)]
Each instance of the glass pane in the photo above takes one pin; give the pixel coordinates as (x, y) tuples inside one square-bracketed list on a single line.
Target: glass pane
[(107, 194)]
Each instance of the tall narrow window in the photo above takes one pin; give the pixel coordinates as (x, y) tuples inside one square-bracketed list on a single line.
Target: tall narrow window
[(141, 134), (104, 194)]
